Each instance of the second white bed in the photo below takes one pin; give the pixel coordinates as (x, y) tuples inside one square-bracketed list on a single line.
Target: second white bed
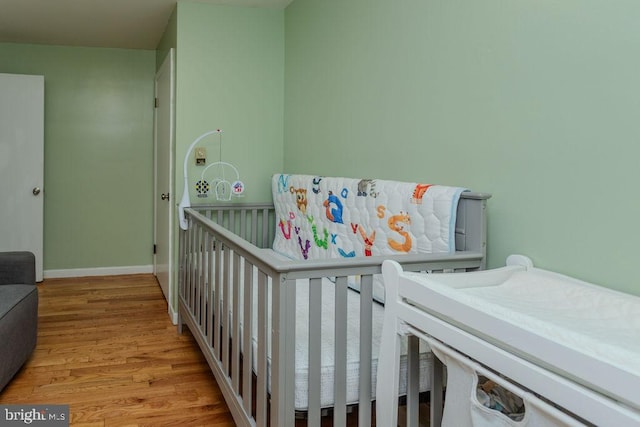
[(588, 333), (574, 343)]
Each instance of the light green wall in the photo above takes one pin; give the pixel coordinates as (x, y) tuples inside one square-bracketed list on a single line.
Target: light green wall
[(98, 152), (230, 76), (535, 102), (531, 101)]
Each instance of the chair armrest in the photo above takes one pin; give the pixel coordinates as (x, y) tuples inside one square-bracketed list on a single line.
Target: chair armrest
[(17, 268)]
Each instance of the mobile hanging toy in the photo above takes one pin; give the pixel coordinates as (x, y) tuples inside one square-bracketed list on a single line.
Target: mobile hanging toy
[(213, 179)]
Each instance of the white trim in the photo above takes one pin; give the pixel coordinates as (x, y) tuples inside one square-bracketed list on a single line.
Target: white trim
[(98, 271), (173, 315)]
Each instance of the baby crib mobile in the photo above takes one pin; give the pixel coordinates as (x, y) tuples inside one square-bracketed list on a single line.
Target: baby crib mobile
[(214, 179)]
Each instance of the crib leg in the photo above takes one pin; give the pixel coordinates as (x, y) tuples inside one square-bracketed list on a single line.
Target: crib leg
[(436, 401), (179, 325)]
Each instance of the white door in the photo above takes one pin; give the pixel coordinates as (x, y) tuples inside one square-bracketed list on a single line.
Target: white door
[(163, 199), (22, 165)]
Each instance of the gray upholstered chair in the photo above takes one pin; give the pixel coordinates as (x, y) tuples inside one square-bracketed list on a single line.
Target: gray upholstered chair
[(18, 312)]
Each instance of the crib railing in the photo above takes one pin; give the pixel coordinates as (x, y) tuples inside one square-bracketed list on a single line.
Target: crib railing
[(222, 263)]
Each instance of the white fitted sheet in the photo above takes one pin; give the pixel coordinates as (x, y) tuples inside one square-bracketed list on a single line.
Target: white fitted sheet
[(327, 352), (353, 343)]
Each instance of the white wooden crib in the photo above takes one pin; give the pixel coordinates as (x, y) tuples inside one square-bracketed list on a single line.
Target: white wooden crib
[(569, 349), (229, 278)]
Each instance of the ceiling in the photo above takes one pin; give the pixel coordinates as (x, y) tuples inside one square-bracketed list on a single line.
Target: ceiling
[(130, 24)]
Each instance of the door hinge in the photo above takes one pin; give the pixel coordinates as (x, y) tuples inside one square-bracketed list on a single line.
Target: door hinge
[(156, 103), (155, 249)]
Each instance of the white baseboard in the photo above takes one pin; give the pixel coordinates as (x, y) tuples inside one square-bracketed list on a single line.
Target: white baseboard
[(173, 315), (98, 271)]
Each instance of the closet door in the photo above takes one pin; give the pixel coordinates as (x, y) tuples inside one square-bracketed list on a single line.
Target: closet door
[(22, 165), (164, 203)]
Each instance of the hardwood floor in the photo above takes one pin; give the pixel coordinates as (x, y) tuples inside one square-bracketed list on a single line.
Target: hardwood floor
[(107, 348)]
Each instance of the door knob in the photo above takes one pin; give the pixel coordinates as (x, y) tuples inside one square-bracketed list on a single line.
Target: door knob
[(36, 191), (165, 196)]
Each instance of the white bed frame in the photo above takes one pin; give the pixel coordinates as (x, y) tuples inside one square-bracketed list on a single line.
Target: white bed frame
[(224, 252), (568, 379)]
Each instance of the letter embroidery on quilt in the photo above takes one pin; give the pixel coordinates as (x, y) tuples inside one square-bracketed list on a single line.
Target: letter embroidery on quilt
[(283, 180), (305, 250), (345, 254), (286, 234), (394, 225), (368, 240), (333, 214), (316, 185), (322, 243)]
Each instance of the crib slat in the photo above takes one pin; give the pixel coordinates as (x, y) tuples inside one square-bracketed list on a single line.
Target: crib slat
[(212, 268), (366, 313), (189, 267), (225, 315), (185, 260), (202, 282), (232, 221), (181, 278), (199, 280), (283, 353), (315, 337), (192, 267), (340, 357), (263, 328), (243, 223), (235, 343), (247, 342), (196, 282), (254, 226), (196, 270), (265, 229), (413, 380), (192, 271), (181, 237), (216, 301)]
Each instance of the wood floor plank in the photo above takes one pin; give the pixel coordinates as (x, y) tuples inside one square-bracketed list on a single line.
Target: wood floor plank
[(106, 348)]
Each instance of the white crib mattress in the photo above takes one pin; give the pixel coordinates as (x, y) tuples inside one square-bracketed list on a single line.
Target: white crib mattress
[(327, 352), (585, 332)]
